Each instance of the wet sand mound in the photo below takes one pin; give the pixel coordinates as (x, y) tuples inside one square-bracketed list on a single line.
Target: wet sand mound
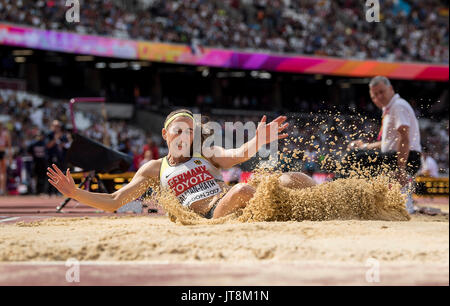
[(423, 240), (344, 199)]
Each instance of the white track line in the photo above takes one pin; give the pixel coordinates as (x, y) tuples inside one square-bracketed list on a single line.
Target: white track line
[(9, 219)]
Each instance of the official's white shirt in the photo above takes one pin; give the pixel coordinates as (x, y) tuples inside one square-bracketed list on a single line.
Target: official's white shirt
[(396, 114)]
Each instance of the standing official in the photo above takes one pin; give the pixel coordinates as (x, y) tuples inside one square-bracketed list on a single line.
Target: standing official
[(398, 147)]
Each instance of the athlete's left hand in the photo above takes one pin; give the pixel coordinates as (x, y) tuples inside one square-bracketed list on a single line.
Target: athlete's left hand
[(263, 132)]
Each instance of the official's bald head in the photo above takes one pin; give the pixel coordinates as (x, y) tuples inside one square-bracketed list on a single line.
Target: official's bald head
[(381, 91)]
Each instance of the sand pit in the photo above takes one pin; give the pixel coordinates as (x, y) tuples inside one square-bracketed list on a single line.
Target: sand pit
[(148, 250), (344, 221), (323, 235), (423, 240)]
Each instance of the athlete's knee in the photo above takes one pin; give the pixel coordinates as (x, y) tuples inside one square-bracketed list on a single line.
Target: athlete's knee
[(244, 188), (296, 180), (286, 180), (243, 192)]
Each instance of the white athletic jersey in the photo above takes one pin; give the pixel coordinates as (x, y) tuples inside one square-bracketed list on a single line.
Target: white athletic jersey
[(192, 181), (399, 113)]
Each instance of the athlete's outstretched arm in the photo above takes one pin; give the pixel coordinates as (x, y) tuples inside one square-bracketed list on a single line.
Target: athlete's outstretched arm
[(107, 202), (228, 158)]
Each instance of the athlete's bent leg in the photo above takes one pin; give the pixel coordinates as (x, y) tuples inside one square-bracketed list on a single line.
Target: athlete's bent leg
[(236, 198), (296, 180)]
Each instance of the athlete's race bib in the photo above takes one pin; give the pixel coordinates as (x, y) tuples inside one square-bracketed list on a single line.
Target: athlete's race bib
[(194, 185)]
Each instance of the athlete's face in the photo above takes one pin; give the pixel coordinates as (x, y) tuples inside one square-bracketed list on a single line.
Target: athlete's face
[(179, 136), (381, 94)]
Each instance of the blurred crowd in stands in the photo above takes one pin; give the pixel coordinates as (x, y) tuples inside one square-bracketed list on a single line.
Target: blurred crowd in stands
[(40, 132), (410, 30)]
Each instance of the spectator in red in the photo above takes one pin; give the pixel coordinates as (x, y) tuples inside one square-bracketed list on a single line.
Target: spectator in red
[(147, 157), (151, 146)]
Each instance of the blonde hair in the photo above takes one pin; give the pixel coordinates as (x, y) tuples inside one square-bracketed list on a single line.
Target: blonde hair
[(176, 114), (188, 114)]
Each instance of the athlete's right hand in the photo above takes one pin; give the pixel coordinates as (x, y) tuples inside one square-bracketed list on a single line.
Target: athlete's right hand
[(63, 182)]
